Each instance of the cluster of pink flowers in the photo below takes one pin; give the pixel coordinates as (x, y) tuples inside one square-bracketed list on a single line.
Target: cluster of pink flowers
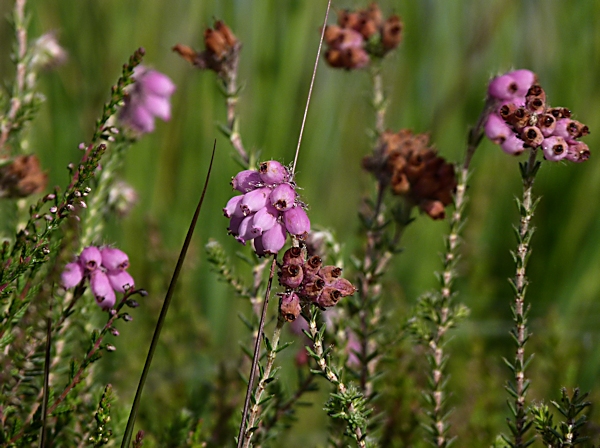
[(106, 269), (267, 210), (524, 120), (309, 281), (149, 97)]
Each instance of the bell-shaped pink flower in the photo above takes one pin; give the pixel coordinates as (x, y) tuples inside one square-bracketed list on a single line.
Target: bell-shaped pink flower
[(273, 239), (578, 152), (296, 221), (246, 231), (283, 197), (233, 207), (264, 219), (272, 172), (503, 87), (246, 181), (496, 129), (524, 79), (90, 258), (555, 148), (254, 200), (513, 145), (120, 281), (114, 259), (102, 290), (72, 275)]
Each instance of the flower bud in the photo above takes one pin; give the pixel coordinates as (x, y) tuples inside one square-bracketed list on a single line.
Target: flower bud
[(246, 181), (72, 275), (102, 290), (272, 172), (90, 258)]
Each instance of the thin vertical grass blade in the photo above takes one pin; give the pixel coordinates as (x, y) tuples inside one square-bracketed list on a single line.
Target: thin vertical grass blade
[(163, 312)]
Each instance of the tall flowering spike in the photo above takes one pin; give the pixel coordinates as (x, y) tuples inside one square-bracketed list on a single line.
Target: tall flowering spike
[(90, 258), (412, 169), (102, 290), (523, 120), (72, 275), (149, 97)]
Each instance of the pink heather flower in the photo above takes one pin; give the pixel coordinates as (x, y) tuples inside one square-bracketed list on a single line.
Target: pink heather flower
[(273, 239), (555, 148), (233, 207), (246, 181), (264, 219), (513, 145), (102, 290), (72, 275), (120, 281), (296, 222), (272, 172), (255, 200), (246, 230), (496, 129), (503, 87), (283, 197), (90, 258), (114, 259), (524, 79), (234, 225), (578, 152), (149, 97)]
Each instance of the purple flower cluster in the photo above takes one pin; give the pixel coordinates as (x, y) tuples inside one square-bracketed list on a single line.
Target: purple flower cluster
[(308, 281), (148, 98), (106, 269), (524, 120), (267, 210)]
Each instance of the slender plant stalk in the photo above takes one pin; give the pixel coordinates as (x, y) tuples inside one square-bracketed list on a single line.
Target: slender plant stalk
[(8, 122), (163, 312), (255, 357), (262, 383), (331, 376), (379, 100), (520, 333), (233, 128), (242, 433)]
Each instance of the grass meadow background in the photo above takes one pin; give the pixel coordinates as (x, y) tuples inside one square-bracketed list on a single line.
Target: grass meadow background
[(435, 82)]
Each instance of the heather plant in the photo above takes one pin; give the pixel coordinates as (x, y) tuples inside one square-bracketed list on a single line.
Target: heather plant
[(315, 260)]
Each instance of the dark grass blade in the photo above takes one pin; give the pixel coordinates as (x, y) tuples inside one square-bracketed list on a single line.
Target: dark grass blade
[(163, 312), (46, 377)]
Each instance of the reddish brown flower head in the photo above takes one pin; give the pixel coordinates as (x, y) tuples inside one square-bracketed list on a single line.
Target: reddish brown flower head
[(221, 54), (413, 169), (360, 35), (22, 177)]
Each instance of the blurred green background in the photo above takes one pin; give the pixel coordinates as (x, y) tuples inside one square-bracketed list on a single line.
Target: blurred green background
[(435, 83)]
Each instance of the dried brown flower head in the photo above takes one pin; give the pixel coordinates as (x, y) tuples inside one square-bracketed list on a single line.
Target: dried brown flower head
[(411, 168), (22, 177), (221, 54)]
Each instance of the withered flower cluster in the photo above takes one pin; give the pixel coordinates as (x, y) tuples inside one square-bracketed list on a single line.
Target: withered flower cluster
[(413, 169), (308, 281), (22, 177), (360, 35), (221, 54)]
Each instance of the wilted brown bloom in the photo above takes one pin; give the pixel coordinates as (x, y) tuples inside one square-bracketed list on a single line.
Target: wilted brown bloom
[(22, 177), (360, 35), (221, 54), (410, 167)]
